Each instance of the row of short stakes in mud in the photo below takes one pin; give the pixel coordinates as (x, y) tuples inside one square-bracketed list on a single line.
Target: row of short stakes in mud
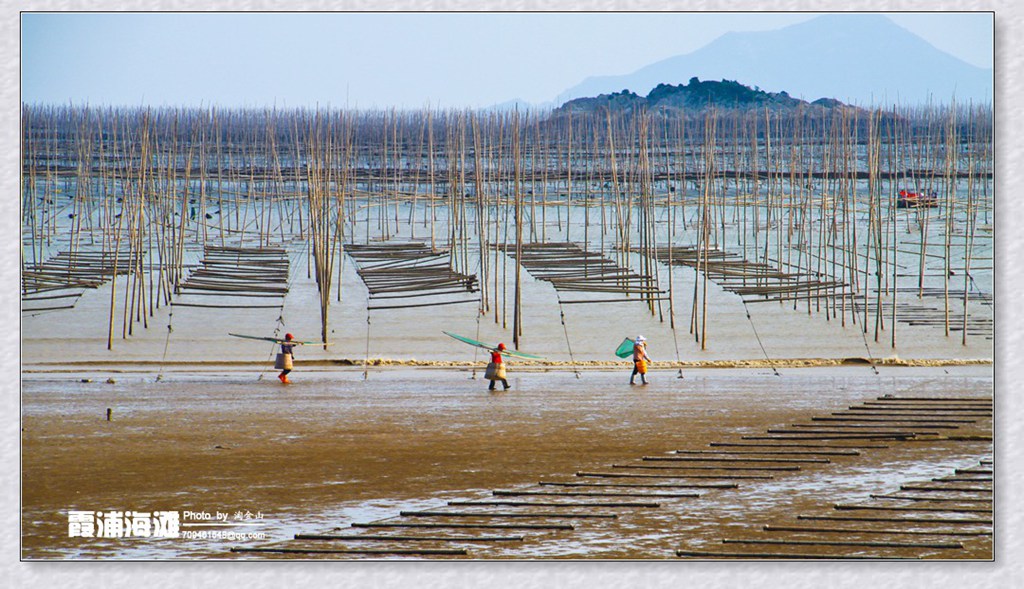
[(410, 270), (57, 283), (930, 519), (248, 272), (237, 272)]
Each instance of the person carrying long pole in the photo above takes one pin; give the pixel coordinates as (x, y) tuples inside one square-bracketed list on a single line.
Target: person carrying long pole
[(284, 359), (496, 369)]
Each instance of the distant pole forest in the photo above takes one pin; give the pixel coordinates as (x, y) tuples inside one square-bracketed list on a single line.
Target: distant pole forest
[(855, 214)]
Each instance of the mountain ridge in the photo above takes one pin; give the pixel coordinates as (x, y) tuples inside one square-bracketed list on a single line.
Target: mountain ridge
[(856, 58)]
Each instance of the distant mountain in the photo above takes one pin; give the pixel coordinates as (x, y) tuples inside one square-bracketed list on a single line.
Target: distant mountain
[(862, 59)]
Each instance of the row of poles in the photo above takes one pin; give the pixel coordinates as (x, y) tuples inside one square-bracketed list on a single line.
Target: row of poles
[(813, 191)]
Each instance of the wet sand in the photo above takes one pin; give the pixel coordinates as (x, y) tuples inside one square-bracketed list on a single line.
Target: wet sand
[(334, 449)]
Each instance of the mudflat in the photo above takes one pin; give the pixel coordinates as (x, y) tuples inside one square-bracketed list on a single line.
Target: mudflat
[(334, 449)]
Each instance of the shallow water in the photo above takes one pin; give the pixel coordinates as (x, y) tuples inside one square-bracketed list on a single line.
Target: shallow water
[(182, 335)]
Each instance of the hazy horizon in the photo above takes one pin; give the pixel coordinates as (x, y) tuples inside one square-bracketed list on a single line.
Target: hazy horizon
[(384, 60)]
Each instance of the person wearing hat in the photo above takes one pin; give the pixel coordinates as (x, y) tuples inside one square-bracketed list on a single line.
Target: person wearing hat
[(284, 359), (640, 360), (496, 369)]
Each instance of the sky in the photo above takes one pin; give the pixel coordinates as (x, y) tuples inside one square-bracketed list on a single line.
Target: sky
[(383, 60)]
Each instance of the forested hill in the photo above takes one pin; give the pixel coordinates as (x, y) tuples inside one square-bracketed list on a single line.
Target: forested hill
[(694, 96)]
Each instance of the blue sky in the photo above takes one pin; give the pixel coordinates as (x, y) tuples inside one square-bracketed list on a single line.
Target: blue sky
[(407, 60)]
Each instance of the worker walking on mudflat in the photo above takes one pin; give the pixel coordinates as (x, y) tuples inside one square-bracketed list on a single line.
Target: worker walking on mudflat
[(640, 360), (496, 369), (284, 359)]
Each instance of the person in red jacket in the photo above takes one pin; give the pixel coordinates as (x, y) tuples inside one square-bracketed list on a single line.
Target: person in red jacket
[(496, 369)]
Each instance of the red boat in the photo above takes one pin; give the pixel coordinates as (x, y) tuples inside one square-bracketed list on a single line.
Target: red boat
[(915, 200)]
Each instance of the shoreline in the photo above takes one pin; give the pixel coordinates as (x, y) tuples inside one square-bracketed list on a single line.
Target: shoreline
[(524, 366)]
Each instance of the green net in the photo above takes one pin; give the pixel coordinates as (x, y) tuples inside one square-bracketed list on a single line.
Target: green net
[(625, 349)]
